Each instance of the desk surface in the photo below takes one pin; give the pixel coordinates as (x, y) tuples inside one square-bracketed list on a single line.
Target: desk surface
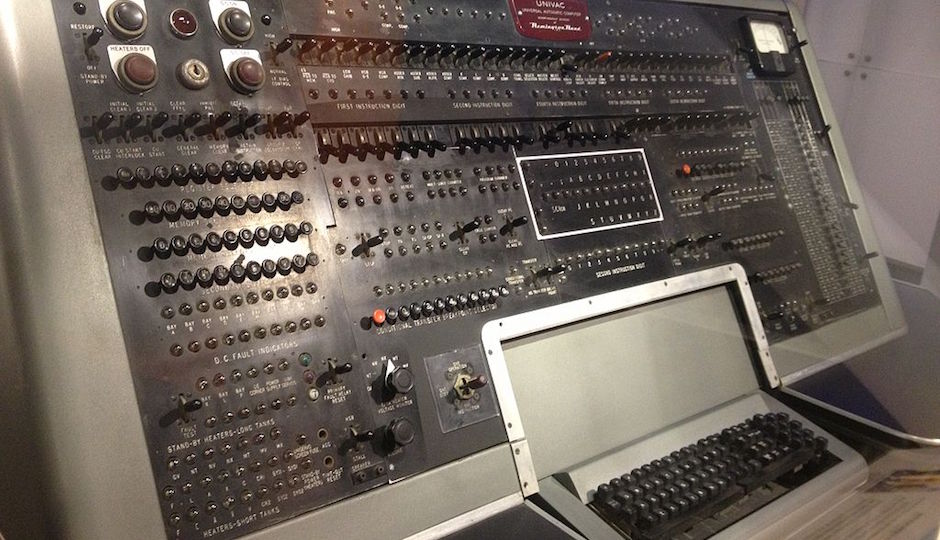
[(901, 500)]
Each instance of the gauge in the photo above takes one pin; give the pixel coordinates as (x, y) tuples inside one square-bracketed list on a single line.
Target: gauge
[(768, 47), (769, 37)]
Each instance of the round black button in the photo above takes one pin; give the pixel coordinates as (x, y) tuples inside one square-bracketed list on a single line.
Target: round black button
[(236, 26), (401, 432), (401, 381), (127, 20), (129, 15)]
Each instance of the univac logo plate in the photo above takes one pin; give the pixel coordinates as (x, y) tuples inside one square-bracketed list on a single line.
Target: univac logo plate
[(552, 20)]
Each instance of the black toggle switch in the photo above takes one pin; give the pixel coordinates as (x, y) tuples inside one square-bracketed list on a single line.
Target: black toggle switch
[(713, 193), (365, 247), (94, 37), (511, 224), (357, 436), (184, 407), (222, 118), (306, 47), (466, 385), (415, 50), (549, 271), (133, 121), (159, 119), (104, 121), (334, 370), (360, 435), (283, 46), (472, 226), (477, 382), (687, 241), (302, 118), (460, 53), (463, 230), (709, 238), (91, 40)]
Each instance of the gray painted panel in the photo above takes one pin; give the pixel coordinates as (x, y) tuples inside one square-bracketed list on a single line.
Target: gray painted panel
[(409, 506), (20, 475), (72, 348)]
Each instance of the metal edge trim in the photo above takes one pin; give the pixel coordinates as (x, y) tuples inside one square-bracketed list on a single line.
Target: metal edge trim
[(852, 416), (847, 355), (522, 457), (763, 5)]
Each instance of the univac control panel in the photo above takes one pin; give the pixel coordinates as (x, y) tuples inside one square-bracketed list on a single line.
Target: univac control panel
[(311, 207)]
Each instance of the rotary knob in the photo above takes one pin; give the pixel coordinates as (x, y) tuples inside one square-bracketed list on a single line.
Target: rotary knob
[(126, 19), (247, 75), (235, 26), (137, 72), (396, 380)]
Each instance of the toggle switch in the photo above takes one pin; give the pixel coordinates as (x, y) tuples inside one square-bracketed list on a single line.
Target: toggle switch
[(511, 224)]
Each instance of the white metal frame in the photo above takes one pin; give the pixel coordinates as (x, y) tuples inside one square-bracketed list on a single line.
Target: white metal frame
[(495, 333)]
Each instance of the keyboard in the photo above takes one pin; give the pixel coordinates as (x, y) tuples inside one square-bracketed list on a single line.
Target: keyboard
[(696, 491)]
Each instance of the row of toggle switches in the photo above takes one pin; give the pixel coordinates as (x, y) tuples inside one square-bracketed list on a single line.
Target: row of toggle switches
[(439, 306)]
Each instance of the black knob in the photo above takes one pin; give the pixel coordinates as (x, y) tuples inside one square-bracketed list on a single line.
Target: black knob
[(400, 432), (126, 19), (235, 26), (399, 380)]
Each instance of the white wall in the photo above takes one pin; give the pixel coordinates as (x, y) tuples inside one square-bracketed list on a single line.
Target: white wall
[(881, 63)]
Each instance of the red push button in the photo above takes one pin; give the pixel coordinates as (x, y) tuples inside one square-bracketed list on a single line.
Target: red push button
[(378, 317), (247, 75), (137, 72)]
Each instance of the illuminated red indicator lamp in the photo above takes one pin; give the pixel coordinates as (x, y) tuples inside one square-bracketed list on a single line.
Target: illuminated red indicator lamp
[(183, 23), (378, 317), (604, 57), (685, 170)]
